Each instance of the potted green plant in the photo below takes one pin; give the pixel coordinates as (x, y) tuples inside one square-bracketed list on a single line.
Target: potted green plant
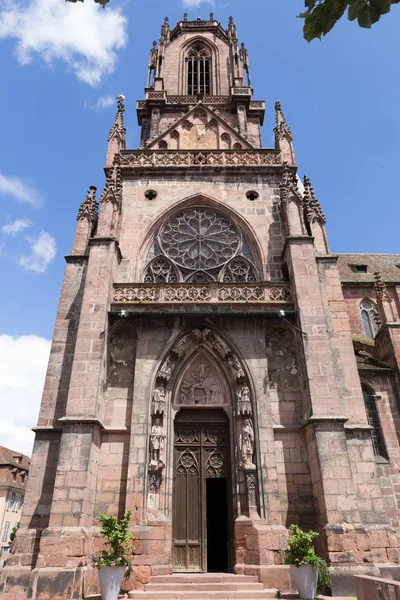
[(114, 561), (307, 569)]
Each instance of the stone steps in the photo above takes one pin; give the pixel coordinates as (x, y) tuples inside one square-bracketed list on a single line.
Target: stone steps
[(178, 578), (203, 586), (204, 595)]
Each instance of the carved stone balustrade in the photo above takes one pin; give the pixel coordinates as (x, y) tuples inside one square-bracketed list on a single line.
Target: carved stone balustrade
[(257, 294), (192, 100), (134, 159)]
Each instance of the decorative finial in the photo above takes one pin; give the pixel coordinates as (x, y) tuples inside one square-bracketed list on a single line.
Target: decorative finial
[(185, 16), (89, 207), (288, 183), (243, 54), (211, 16), (312, 206), (154, 44), (232, 30), (380, 288), (282, 128), (118, 129), (112, 191), (120, 103), (165, 31)]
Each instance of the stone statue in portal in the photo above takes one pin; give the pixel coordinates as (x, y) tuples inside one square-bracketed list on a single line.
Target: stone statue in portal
[(157, 445), (246, 444)]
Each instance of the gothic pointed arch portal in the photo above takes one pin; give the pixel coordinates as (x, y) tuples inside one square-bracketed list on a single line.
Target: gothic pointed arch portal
[(202, 396)]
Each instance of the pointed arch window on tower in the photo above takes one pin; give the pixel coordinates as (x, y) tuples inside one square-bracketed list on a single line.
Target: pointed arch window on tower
[(369, 316), (198, 67)]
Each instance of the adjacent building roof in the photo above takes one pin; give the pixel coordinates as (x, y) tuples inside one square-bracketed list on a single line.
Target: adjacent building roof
[(13, 458), (360, 268)]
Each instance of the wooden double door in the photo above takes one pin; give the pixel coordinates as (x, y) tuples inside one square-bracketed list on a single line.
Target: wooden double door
[(201, 493)]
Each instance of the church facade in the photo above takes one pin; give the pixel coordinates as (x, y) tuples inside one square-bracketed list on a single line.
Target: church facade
[(214, 367)]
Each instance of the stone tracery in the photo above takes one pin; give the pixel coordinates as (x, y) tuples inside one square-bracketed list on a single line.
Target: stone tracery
[(198, 245), (199, 239)]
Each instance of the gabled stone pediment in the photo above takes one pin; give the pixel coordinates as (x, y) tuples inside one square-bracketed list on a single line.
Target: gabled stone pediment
[(200, 128)]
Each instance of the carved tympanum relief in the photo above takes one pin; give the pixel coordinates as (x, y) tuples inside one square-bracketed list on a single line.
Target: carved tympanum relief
[(201, 383)]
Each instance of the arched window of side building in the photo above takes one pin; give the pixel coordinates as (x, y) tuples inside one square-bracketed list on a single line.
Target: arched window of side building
[(369, 316), (378, 441)]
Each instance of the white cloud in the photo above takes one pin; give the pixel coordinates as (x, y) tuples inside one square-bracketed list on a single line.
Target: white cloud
[(43, 250), (20, 189), (23, 363), (84, 35), (102, 102), (16, 226), (196, 3)]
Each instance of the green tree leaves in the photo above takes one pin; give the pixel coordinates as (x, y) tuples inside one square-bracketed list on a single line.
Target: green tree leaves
[(321, 16)]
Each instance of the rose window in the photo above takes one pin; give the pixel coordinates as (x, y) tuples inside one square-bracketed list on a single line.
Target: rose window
[(199, 239), (202, 245)]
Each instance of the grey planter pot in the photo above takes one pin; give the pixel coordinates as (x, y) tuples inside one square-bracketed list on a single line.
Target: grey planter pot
[(306, 579), (110, 579)]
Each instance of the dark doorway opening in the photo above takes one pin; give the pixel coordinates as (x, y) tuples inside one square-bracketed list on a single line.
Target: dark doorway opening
[(217, 525)]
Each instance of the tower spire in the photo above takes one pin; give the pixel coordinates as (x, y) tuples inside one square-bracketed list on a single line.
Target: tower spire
[(312, 207), (87, 218), (283, 136), (314, 218), (291, 202), (117, 135), (111, 200)]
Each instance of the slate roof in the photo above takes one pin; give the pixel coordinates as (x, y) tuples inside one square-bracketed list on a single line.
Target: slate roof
[(387, 264), (10, 457)]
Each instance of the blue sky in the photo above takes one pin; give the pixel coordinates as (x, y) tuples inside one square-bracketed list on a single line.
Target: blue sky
[(61, 65)]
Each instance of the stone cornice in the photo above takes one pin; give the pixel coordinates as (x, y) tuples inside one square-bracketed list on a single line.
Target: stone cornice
[(326, 419), (74, 258), (46, 428), (297, 239), (327, 258), (78, 420)]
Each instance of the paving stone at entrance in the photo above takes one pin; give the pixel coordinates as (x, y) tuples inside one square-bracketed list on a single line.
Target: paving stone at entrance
[(207, 586)]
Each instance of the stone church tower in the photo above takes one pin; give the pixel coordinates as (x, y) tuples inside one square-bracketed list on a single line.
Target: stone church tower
[(203, 372)]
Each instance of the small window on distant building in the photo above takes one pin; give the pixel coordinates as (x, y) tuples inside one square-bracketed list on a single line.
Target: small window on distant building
[(369, 316), (18, 502), (378, 441), (10, 501), (6, 532), (362, 268)]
